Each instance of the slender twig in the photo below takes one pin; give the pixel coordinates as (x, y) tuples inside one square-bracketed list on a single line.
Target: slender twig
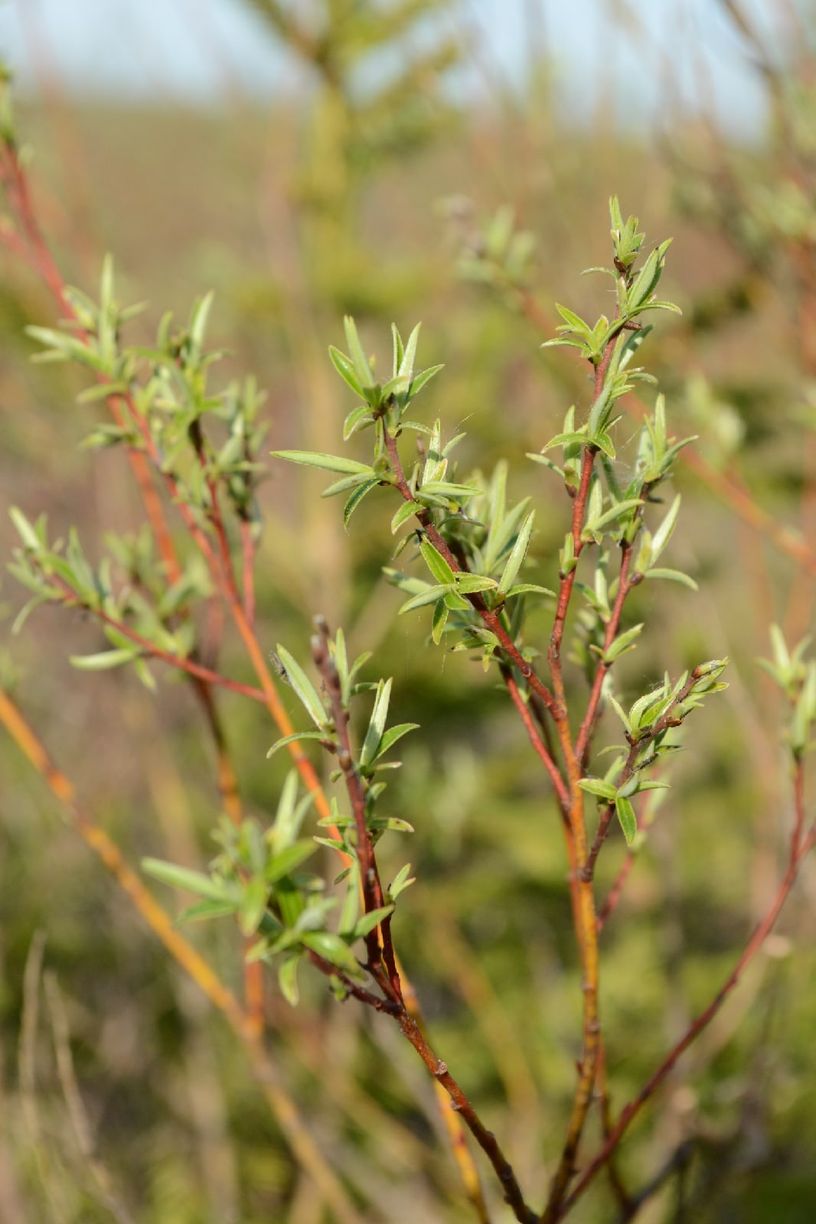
[(667, 719), (583, 902), (625, 585), (800, 844), (99, 841), (536, 739), (38, 255), (381, 955), (614, 895), (379, 945)]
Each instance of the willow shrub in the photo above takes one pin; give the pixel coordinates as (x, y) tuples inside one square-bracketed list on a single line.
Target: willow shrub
[(306, 889)]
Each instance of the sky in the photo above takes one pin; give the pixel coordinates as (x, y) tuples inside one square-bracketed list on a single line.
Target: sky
[(195, 50)]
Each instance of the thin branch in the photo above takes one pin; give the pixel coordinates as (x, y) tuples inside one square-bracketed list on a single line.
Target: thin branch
[(625, 585), (800, 845), (537, 740), (379, 945), (98, 840)]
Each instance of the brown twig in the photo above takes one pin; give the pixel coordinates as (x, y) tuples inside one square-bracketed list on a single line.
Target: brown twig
[(98, 840), (379, 945), (800, 844), (381, 956)]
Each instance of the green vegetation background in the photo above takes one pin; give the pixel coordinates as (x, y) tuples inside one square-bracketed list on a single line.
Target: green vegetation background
[(296, 214)]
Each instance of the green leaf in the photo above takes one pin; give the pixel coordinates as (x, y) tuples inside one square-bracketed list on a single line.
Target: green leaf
[(202, 911), (361, 363), (393, 734), (357, 496), (614, 512), (329, 463), (673, 575), (303, 687), (664, 532), (333, 949), (422, 379), (440, 620), (406, 365), (405, 512), (436, 563), (473, 584), (446, 488), (290, 858), (25, 530), (287, 979), (573, 321), (517, 555), (400, 882), (596, 786), (376, 725), (253, 904), (103, 661), (345, 368), (529, 588), (619, 710), (429, 595), (294, 738), (371, 920), (192, 881), (356, 419), (622, 643), (627, 818)]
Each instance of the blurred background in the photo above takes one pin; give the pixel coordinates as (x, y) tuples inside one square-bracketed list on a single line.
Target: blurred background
[(448, 161)]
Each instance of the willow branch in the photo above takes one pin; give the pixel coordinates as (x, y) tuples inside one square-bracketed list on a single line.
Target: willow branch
[(193, 964), (800, 845)]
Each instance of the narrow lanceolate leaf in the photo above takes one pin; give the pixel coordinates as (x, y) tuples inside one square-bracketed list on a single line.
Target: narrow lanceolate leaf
[(400, 882), (372, 919), (436, 563), (376, 725), (440, 620), (103, 661), (406, 365), (287, 980), (473, 584), (429, 595), (622, 643), (25, 530), (192, 881), (329, 463), (627, 818), (345, 368), (673, 575), (357, 496), (304, 688), (290, 858), (529, 588), (393, 734), (294, 738), (619, 710), (333, 949), (517, 555), (406, 511), (356, 419), (597, 786), (614, 512), (423, 378), (664, 532), (362, 368)]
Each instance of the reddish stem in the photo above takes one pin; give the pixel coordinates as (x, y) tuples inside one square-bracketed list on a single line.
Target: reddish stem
[(799, 847)]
